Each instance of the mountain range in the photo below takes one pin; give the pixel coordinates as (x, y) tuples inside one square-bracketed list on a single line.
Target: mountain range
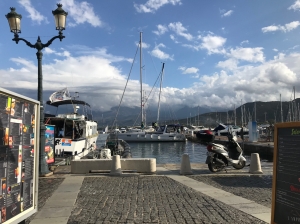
[(265, 112)]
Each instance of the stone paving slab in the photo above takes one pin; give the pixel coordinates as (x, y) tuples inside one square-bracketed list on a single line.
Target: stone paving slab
[(53, 212), (60, 202), (57, 220)]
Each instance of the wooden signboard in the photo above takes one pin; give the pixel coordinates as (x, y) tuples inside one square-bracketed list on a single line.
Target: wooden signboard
[(286, 174)]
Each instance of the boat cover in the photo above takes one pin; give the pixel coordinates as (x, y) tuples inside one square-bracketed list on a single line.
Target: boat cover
[(65, 102)]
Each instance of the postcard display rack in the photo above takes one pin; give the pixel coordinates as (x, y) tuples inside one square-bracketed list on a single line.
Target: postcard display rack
[(286, 174), (18, 156)]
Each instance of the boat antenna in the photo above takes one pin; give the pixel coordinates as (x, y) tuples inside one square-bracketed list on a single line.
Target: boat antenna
[(75, 108)]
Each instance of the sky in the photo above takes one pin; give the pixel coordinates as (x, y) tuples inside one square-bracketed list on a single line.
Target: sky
[(216, 53)]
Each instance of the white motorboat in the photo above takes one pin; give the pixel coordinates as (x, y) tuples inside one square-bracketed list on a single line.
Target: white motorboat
[(75, 134)]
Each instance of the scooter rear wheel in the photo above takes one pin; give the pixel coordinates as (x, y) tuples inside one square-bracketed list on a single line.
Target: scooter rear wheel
[(213, 167), (240, 165)]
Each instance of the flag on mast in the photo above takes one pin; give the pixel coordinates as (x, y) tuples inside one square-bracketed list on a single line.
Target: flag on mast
[(60, 95)]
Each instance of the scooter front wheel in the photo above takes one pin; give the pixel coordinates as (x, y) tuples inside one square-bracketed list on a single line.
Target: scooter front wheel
[(213, 167), (240, 165)]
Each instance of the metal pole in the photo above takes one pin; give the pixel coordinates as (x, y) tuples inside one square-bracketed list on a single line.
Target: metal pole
[(43, 168), (141, 80)]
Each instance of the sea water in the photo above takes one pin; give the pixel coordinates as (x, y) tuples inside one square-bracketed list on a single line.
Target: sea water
[(164, 152), (169, 152)]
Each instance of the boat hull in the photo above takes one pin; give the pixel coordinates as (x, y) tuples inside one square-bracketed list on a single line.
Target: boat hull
[(77, 148)]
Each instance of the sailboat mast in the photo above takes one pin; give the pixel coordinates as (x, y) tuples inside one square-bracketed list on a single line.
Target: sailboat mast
[(255, 111), (161, 80), (242, 112), (234, 115), (198, 115), (141, 80), (281, 115)]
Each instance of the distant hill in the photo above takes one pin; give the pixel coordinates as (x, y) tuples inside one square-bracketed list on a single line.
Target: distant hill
[(266, 112)]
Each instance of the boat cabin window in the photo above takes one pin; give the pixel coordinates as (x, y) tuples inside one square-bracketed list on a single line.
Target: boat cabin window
[(161, 129), (171, 129), (68, 128), (79, 129)]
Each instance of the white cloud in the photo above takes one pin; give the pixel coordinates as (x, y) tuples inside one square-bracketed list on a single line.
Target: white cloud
[(248, 54), (69, 72), (157, 52), (228, 13), (244, 42), (295, 6), (161, 29), (251, 83), (64, 53), (34, 15), (230, 64), (213, 44), (98, 52), (80, 13), (280, 56), (48, 50), (180, 30), (286, 28), (280, 73), (275, 49), (144, 45), (104, 84), (292, 25), (174, 39), (153, 5), (191, 70)]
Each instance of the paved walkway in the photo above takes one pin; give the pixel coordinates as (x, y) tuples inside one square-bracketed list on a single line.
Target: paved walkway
[(59, 206), (105, 199)]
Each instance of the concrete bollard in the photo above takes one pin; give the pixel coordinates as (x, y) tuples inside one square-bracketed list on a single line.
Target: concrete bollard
[(185, 168), (255, 166), (116, 166)]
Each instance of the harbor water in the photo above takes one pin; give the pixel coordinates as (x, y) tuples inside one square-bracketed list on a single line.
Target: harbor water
[(166, 152)]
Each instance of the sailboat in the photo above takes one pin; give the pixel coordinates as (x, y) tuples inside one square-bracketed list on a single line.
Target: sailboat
[(163, 133)]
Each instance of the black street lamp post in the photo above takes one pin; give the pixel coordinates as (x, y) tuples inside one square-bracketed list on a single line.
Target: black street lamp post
[(14, 20)]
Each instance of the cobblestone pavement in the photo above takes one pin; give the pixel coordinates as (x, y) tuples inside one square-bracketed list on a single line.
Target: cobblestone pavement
[(149, 199), (46, 188), (252, 187)]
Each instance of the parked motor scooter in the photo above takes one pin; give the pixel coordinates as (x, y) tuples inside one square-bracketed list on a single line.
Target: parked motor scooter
[(220, 156)]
